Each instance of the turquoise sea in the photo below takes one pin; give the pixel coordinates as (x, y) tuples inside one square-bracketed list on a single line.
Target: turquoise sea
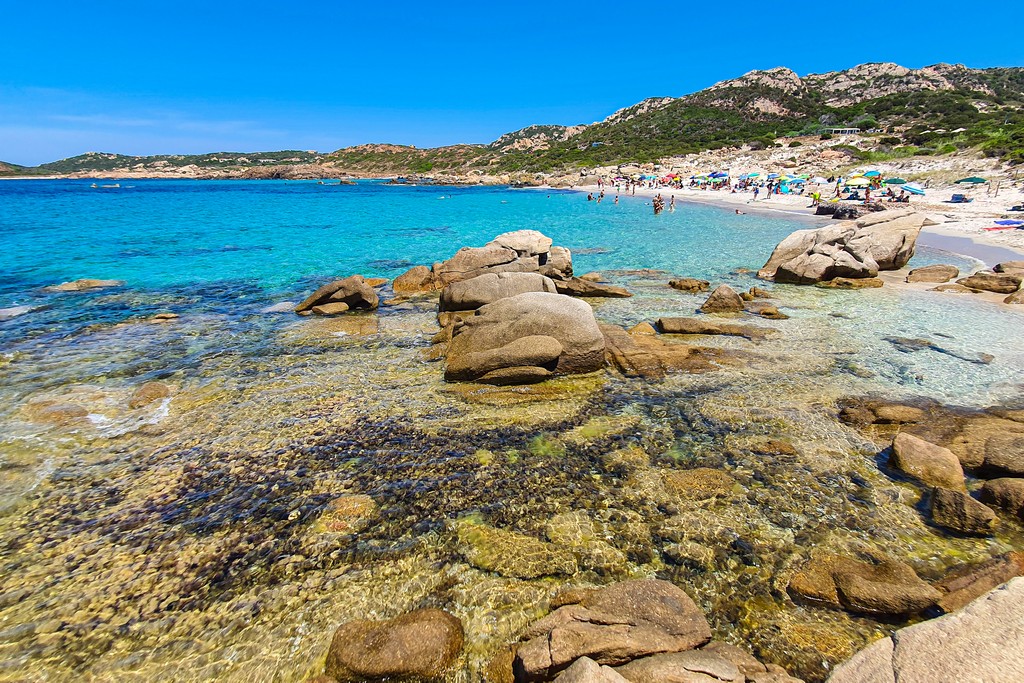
[(197, 536)]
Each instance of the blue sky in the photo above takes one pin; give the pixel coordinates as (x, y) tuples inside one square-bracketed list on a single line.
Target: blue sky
[(156, 77)]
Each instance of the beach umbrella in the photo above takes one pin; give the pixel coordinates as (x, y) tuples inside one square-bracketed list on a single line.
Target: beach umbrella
[(773, 176), (753, 175), (1009, 222), (973, 180), (818, 180), (858, 181), (719, 174), (895, 181), (804, 176), (913, 188), (872, 174)]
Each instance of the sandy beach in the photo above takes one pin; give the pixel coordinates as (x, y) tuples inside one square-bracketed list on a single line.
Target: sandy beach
[(960, 229)]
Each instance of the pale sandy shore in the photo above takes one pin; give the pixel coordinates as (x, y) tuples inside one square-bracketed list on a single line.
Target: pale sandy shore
[(960, 229)]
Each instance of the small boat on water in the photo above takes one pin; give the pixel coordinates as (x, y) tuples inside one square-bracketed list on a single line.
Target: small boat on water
[(108, 187)]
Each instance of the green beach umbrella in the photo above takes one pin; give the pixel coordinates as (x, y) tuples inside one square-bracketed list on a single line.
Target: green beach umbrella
[(804, 176), (894, 181), (973, 180)]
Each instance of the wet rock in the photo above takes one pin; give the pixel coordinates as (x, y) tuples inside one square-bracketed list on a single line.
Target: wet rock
[(586, 670), (894, 413), (347, 514), (689, 553), (499, 668), (147, 393), (376, 282), (536, 329), (643, 329), (964, 584), (592, 276), (851, 283), (882, 242), (744, 661), (352, 291), (612, 625), (330, 309), (511, 554), (653, 358), (723, 300), (418, 645), (585, 288), (982, 642), (1006, 493), (935, 273), (84, 285), (910, 345), (926, 462), (13, 312), (956, 510), (773, 677), (886, 587), (56, 413), (699, 483), (471, 294), (577, 532), (689, 284), (695, 666), (1015, 298), (954, 288), (1000, 283), (766, 310), (711, 327)]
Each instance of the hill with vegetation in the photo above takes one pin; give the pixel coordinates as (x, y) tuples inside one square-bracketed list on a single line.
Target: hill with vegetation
[(936, 110)]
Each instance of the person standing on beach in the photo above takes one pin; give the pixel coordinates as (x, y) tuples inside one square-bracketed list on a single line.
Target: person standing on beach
[(757, 190)]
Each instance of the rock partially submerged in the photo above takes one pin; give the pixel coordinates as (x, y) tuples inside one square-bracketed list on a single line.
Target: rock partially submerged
[(643, 354), (884, 241), (527, 337), (354, 292), (613, 625), (1000, 283), (723, 300), (84, 285), (689, 284), (931, 464), (419, 645), (471, 294), (711, 327)]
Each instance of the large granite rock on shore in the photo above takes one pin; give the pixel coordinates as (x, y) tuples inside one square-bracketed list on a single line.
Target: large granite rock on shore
[(938, 273), (525, 338), (419, 645), (883, 241), (612, 625), (982, 642), (522, 251), (471, 294), (926, 462)]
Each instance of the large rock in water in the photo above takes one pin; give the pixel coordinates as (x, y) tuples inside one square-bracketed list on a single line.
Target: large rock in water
[(469, 295), (983, 642), (522, 251), (926, 462), (884, 241), (612, 625), (419, 645), (353, 291), (523, 338)]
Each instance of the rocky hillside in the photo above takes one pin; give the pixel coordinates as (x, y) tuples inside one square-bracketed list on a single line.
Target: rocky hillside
[(936, 110)]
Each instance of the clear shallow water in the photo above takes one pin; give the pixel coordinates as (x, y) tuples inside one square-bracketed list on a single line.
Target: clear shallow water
[(181, 540)]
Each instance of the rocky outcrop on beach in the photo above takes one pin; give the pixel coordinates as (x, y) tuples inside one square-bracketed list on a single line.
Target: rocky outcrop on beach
[(642, 353), (883, 241), (522, 251), (1000, 283), (471, 294), (723, 299), (937, 273), (351, 293), (419, 645), (525, 338), (982, 642), (711, 327)]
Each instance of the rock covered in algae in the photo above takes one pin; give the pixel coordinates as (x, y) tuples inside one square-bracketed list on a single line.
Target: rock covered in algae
[(612, 625), (699, 483), (578, 532), (509, 553), (419, 645), (964, 584), (982, 642), (886, 587)]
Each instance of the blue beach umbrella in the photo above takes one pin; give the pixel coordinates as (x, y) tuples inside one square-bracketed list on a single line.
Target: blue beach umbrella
[(773, 176), (719, 174), (872, 174), (1010, 222), (913, 188)]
